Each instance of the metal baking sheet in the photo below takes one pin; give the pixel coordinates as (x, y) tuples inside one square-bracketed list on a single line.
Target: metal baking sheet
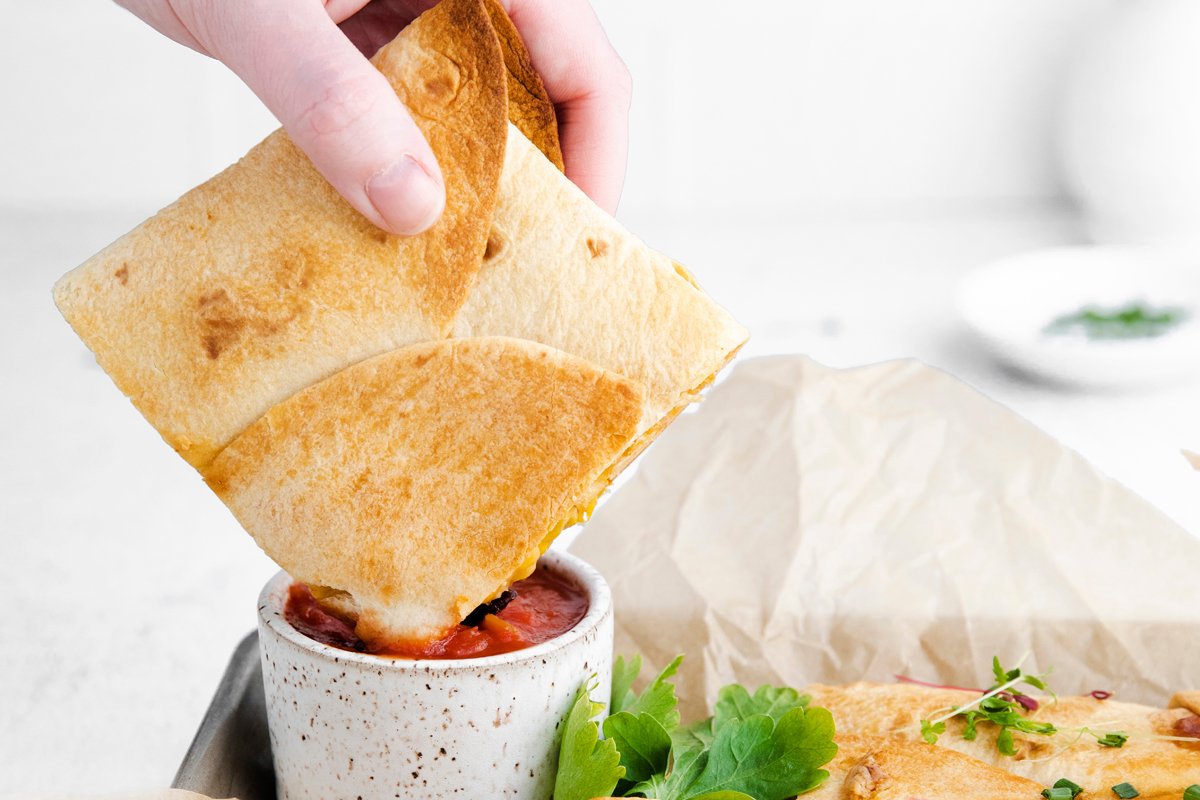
[(231, 753)]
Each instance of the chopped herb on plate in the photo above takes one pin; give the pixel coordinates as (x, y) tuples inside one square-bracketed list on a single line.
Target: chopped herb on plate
[(1131, 321)]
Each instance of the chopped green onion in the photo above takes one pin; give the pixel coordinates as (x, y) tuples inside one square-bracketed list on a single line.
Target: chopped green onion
[(1114, 739), (1125, 791), (1192, 792), (1071, 786), (1058, 794)]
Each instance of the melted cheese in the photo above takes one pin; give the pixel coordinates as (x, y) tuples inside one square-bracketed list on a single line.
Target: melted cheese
[(526, 567)]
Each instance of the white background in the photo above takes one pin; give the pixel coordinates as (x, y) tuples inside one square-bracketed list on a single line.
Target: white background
[(743, 108), (828, 169)]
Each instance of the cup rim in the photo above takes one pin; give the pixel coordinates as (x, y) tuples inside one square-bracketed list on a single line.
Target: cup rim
[(272, 619)]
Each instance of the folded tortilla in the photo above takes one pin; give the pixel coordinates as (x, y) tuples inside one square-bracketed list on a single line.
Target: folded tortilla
[(257, 294), (883, 768), (1153, 764), (513, 432)]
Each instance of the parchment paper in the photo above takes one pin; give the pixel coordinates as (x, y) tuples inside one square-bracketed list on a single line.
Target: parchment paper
[(815, 525)]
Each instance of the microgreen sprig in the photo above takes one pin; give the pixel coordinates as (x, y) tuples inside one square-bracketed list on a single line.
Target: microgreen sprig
[(1005, 708)]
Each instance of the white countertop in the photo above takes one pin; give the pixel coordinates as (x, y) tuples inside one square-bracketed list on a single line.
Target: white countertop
[(127, 583)]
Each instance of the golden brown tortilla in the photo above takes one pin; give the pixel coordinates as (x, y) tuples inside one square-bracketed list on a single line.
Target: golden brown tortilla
[(529, 107), (262, 288), (585, 285), (882, 768), (1154, 765), (341, 481), (263, 280)]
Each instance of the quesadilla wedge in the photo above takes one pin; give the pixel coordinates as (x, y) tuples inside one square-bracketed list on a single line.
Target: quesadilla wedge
[(882, 768), (264, 280), (220, 314), (629, 308), (1155, 758), (342, 480)]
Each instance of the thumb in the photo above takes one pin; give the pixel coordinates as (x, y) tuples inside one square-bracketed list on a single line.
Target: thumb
[(340, 111)]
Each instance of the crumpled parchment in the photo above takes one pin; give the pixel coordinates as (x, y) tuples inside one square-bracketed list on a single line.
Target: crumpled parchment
[(807, 524)]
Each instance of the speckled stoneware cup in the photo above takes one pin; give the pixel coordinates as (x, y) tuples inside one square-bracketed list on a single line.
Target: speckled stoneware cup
[(351, 725)]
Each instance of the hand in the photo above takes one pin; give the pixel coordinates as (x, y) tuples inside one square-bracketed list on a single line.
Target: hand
[(336, 107)]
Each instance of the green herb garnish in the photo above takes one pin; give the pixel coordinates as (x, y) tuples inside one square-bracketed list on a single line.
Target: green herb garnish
[(1131, 321), (1125, 791), (1000, 705), (1192, 792), (1005, 707), (930, 731), (588, 766), (1058, 793), (1063, 784), (768, 745)]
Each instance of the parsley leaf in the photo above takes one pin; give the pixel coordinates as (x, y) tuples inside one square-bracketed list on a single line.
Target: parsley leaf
[(763, 746), (758, 756), (658, 700), (655, 787), (624, 674), (735, 702), (642, 741), (587, 765)]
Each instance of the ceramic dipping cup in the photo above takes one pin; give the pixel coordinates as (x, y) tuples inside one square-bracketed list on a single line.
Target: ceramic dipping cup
[(359, 726)]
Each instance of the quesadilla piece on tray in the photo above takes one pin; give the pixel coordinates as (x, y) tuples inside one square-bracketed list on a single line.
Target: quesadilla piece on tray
[(883, 768), (252, 294), (1154, 763)]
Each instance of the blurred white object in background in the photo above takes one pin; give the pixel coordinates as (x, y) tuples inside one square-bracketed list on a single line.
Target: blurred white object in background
[(741, 113), (1019, 305), (1129, 135)]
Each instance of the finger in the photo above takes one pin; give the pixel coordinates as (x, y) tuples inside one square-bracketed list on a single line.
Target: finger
[(590, 87), (341, 10), (162, 17), (337, 108)]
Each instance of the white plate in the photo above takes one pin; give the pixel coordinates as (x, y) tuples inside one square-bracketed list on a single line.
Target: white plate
[(1009, 303)]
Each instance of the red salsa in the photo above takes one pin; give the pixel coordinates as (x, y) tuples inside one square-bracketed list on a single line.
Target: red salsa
[(539, 608)]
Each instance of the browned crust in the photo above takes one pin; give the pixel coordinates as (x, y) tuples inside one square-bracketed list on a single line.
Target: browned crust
[(529, 106), (878, 768), (460, 32), (336, 483), (262, 287), (264, 280), (1156, 766), (1188, 700)]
